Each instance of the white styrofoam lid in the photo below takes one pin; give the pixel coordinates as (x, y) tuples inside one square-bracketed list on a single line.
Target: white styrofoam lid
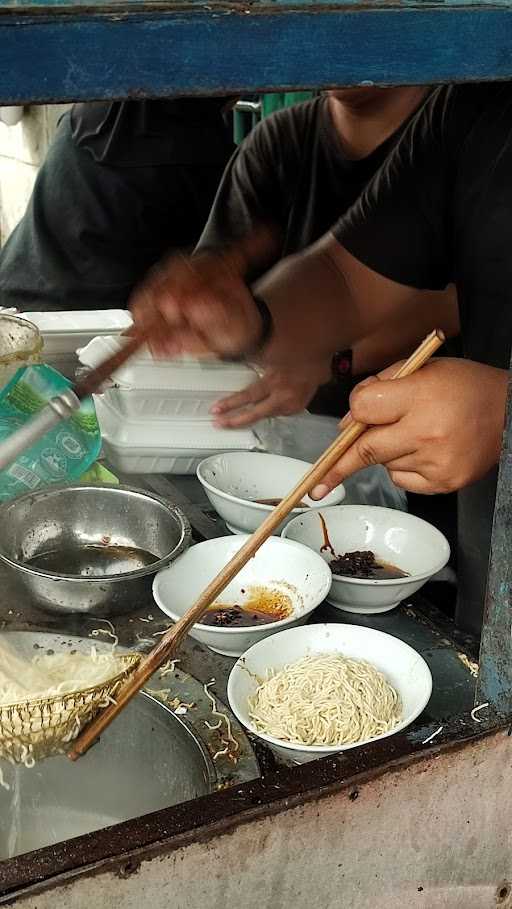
[(181, 373), (89, 322), (157, 436)]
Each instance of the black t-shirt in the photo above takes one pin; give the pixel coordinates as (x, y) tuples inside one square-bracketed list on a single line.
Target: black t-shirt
[(441, 210), (292, 170), (122, 183)]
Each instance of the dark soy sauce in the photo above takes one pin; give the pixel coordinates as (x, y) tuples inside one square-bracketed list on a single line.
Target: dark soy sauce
[(92, 560), (363, 564)]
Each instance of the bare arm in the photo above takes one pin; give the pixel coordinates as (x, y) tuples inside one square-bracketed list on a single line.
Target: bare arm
[(323, 300), (401, 334), (283, 391)]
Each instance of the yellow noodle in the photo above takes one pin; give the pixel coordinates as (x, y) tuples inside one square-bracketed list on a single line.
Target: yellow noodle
[(52, 674), (325, 700)]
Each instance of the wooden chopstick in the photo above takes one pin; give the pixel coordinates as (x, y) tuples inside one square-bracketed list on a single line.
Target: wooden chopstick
[(170, 641), (93, 381)]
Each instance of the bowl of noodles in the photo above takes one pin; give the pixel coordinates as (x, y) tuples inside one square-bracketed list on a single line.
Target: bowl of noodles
[(319, 689)]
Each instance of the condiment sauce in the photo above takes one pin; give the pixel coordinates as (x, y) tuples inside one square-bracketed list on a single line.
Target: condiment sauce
[(360, 563), (92, 560), (262, 607), (364, 564), (327, 545)]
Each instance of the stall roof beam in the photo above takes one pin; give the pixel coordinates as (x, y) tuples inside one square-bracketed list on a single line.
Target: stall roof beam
[(53, 51)]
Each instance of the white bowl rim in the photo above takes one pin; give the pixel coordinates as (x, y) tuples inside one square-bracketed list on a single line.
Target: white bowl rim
[(381, 582), (329, 749), (246, 629), (255, 506)]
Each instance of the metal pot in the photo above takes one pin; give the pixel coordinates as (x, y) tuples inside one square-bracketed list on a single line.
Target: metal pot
[(149, 760), (90, 549)]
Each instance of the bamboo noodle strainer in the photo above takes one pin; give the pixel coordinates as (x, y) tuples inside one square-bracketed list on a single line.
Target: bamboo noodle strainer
[(37, 728)]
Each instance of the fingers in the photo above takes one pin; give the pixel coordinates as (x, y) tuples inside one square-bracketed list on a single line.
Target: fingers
[(249, 416), (251, 395), (412, 482), (270, 396), (378, 445)]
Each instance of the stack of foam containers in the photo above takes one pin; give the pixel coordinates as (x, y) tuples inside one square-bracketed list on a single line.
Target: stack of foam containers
[(155, 414)]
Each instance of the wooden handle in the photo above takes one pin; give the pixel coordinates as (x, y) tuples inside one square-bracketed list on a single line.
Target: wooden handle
[(170, 641), (93, 381)]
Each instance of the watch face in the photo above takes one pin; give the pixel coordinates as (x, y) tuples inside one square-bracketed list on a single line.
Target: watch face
[(342, 364)]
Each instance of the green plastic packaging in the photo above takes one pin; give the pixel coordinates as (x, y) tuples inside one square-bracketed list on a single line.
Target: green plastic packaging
[(63, 454)]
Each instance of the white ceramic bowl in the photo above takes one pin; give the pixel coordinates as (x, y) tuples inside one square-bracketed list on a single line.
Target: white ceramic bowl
[(234, 479), (279, 564), (403, 667), (396, 537)]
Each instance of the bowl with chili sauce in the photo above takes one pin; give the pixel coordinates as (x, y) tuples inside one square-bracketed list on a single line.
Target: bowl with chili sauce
[(278, 588)]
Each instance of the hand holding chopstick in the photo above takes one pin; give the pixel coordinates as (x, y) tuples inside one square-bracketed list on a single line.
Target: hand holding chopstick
[(169, 642)]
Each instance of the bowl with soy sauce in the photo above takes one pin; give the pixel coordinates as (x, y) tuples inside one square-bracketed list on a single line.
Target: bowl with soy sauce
[(278, 588), (244, 487), (377, 556)]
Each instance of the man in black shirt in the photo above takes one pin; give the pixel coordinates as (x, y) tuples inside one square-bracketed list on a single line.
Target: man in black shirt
[(122, 183), (440, 209), (302, 168)]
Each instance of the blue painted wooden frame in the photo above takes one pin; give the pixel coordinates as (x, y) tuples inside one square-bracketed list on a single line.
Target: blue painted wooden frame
[(74, 53)]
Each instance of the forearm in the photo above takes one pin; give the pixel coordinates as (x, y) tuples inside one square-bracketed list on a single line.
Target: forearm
[(396, 338), (319, 303)]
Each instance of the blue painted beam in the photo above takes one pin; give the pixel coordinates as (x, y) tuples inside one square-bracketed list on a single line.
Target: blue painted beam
[(73, 54)]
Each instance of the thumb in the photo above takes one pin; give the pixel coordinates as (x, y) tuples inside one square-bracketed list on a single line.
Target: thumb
[(347, 419)]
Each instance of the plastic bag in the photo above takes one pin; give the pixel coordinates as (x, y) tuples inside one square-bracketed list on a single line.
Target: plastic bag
[(64, 453), (306, 436)]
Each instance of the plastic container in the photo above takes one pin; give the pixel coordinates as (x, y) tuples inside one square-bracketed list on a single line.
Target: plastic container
[(189, 380), (20, 344), (64, 453), (146, 446), (65, 332), (160, 404)]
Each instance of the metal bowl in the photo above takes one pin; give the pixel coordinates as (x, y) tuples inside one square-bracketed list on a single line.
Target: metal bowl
[(87, 548)]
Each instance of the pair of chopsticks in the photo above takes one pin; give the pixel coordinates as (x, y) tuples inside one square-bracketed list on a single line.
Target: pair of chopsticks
[(351, 430)]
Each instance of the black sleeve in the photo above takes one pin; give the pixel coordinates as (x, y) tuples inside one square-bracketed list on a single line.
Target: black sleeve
[(402, 225), (91, 230)]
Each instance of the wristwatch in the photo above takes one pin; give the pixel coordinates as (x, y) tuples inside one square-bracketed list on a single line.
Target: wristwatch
[(341, 365), (267, 327), (266, 331)]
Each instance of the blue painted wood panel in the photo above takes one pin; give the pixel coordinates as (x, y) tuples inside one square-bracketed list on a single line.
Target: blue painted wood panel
[(73, 55)]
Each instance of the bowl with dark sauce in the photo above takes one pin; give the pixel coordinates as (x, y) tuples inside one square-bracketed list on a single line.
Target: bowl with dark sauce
[(278, 588), (244, 487), (377, 556)]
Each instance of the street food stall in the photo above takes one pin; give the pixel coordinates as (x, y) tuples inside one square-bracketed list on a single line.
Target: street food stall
[(418, 817)]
